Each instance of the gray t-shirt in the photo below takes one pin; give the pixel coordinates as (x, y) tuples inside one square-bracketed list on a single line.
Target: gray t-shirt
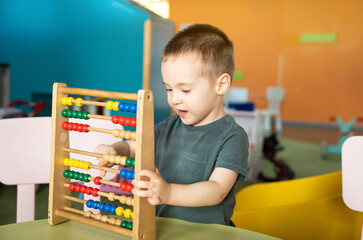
[(187, 154)]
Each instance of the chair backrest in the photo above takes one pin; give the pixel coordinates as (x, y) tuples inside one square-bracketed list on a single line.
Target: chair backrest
[(25, 155), (237, 95), (274, 96), (352, 173)]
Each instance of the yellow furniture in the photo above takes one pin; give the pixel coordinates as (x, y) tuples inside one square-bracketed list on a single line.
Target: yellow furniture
[(308, 208)]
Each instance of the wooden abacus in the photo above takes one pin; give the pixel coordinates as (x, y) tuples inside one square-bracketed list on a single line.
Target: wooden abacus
[(60, 210)]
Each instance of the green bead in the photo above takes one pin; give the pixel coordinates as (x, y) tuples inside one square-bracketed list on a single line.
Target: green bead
[(124, 224), (129, 225), (79, 114), (85, 177), (69, 113), (128, 162), (64, 113), (85, 115), (81, 176), (71, 174), (66, 173), (133, 162), (75, 114), (76, 175)]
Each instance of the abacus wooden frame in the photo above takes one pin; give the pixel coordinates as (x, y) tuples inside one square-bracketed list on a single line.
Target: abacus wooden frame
[(144, 213)]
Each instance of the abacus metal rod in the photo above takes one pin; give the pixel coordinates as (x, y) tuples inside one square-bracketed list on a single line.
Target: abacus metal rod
[(99, 93)]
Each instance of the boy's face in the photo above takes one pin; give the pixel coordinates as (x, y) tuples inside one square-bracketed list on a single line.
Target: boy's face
[(192, 96)]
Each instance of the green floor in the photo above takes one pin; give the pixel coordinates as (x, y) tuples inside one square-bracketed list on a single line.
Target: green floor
[(303, 158)]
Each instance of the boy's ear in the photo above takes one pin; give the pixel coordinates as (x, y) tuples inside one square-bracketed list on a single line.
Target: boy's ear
[(223, 84)]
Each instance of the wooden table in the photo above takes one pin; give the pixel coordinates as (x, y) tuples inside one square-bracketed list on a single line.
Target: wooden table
[(167, 228)]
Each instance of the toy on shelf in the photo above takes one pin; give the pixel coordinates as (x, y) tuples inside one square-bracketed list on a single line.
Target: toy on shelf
[(13, 112), (132, 216), (345, 133)]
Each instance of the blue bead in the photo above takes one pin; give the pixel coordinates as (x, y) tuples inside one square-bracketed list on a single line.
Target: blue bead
[(89, 203), (107, 208), (121, 106), (130, 175), (127, 107), (123, 173), (102, 206), (95, 204), (113, 209), (133, 108)]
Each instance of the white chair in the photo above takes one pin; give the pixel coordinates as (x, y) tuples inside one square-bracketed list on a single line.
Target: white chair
[(274, 96), (24, 161), (25, 155)]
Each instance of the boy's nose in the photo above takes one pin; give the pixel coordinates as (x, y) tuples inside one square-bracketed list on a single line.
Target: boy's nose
[(176, 99)]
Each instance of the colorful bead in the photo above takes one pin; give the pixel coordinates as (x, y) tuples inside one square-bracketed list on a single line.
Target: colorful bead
[(111, 196), (127, 213), (72, 186), (130, 175), (65, 125), (89, 203), (115, 106), (69, 113), (123, 224), (66, 161), (79, 102), (64, 100), (86, 165), (107, 207), (113, 209), (121, 106), (96, 180), (64, 112), (129, 162), (123, 186), (71, 162), (85, 115), (89, 190), (104, 218), (85, 128), (101, 206), (109, 105), (114, 119), (76, 175), (77, 188), (133, 108), (74, 114), (129, 201), (83, 189), (70, 101), (85, 177), (129, 225), (123, 173), (129, 187), (94, 192), (133, 122), (127, 107), (95, 204), (76, 163), (122, 199), (119, 211)]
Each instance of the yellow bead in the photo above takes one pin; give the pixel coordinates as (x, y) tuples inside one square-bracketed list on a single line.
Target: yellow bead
[(76, 163), (79, 102), (81, 164), (69, 101), (64, 100), (132, 215), (109, 105), (127, 213), (115, 106), (71, 162), (66, 161), (119, 211), (86, 165)]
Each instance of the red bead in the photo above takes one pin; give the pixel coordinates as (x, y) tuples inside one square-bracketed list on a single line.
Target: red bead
[(80, 128), (114, 119), (71, 186), (65, 125), (129, 187), (89, 190), (127, 121), (121, 120), (123, 186), (133, 122), (75, 126), (70, 126), (78, 188), (83, 189), (96, 180), (85, 128), (94, 192)]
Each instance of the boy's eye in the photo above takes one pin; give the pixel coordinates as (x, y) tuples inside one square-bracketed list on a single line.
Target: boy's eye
[(169, 89), (186, 91)]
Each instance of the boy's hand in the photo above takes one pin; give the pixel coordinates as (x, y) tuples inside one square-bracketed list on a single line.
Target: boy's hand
[(104, 149), (157, 190)]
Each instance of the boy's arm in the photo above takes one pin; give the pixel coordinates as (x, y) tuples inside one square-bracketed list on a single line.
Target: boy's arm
[(207, 193)]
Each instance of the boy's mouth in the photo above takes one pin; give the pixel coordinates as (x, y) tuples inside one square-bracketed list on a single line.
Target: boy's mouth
[(182, 113)]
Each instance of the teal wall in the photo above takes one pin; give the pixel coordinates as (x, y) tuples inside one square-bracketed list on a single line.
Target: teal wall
[(95, 44)]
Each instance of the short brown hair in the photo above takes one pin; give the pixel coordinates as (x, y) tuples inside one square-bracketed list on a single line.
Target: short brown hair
[(208, 42)]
